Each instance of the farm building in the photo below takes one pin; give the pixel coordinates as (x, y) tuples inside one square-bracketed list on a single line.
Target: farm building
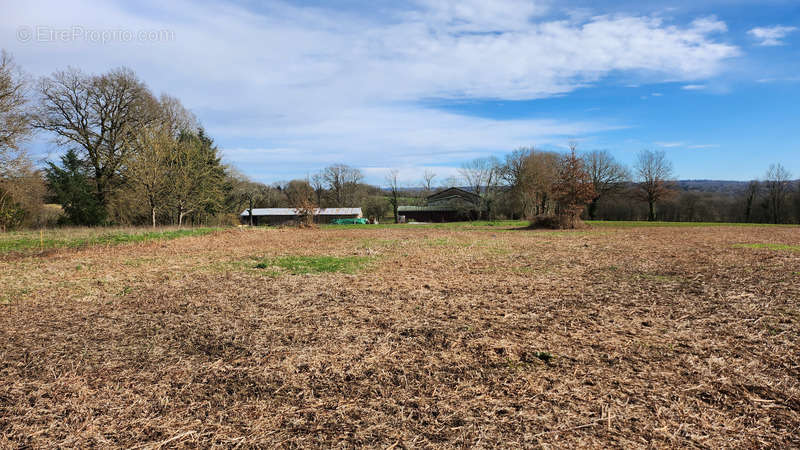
[(279, 216), (449, 205)]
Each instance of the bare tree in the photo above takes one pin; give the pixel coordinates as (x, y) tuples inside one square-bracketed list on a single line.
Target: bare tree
[(391, 180), (99, 115), (750, 195), (318, 184), (777, 184), (480, 174), (15, 122), (427, 180), (342, 182), (606, 174), (150, 166), (654, 176)]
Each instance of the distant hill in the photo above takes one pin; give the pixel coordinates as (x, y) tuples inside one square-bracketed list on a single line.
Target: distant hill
[(718, 186), (715, 186)]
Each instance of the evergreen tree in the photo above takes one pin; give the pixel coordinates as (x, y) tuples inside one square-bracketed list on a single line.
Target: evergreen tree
[(72, 189)]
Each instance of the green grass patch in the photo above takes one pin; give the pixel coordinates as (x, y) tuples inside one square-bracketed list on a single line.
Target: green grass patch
[(29, 241), (298, 265), (793, 248)]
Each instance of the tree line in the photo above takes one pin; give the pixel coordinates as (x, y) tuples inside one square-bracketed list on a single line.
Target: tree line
[(529, 182), (131, 157)]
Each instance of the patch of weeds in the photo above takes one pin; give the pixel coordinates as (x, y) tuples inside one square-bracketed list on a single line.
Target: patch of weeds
[(298, 265), (793, 248), (13, 296), (546, 357)]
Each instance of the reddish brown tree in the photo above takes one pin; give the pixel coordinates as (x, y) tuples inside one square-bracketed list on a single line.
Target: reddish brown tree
[(573, 189)]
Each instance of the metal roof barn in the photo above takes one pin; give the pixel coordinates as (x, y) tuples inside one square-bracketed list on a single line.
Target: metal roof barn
[(278, 216)]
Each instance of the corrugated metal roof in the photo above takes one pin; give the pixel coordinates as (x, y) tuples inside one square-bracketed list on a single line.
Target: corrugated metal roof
[(425, 208), (293, 212)]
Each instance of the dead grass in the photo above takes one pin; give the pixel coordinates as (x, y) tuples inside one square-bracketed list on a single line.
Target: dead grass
[(634, 337)]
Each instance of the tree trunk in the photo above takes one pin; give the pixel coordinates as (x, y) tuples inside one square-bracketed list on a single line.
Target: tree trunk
[(153, 214), (652, 211), (592, 210), (250, 211)]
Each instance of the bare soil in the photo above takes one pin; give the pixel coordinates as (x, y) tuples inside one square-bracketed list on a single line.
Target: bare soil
[(612, 337)]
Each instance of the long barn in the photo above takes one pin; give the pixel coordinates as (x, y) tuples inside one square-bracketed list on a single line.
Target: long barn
[(280, 216)]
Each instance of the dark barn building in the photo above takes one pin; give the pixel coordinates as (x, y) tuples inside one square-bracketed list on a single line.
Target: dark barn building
[(449, 205)]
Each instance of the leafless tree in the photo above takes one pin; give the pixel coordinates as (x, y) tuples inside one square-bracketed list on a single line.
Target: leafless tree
[(654, 176), (342, 182), (606, 174), (150, 166), (480, 174), (391, 180), (777, 185), (750, 195), (15, 122), (318, 184), (427, 180), (97, 114)]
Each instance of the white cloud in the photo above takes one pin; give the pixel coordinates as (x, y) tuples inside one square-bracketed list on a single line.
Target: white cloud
[(678, 144), (693, 87), (701, 146), (337, 86), (669, 144), (771, 36)]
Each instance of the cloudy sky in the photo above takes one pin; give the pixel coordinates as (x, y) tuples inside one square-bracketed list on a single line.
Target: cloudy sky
[(287, 88)]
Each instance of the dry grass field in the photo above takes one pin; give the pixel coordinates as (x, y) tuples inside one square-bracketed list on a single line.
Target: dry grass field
[(399, 337)]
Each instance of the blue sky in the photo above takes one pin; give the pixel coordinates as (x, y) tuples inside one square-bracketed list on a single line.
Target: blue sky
[(287, 88)]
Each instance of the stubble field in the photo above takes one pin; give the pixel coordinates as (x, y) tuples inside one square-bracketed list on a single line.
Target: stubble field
[(466, 336)]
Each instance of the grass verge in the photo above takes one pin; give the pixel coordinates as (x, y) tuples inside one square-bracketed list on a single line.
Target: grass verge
[(29, 241), (794, 248)]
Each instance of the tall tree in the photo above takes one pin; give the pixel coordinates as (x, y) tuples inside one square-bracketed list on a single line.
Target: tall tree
[(394, 192), (573, 189), (15, 122), (777, 186), (750, 195), (427, 180), (482, 175), (607, 175), (197, 176), (654, 176), (318, 184), (98, 115), (342, 183), (150, 167), (300, 192)]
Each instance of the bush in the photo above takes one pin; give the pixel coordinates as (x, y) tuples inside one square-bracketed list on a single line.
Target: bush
[(557, 222)]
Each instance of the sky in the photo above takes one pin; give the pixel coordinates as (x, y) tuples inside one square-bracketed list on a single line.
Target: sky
[(288, 87)]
